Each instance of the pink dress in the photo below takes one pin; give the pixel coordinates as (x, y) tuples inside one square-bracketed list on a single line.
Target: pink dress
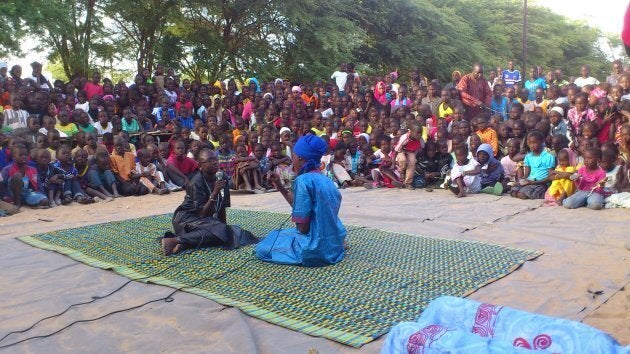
[(589, 179)]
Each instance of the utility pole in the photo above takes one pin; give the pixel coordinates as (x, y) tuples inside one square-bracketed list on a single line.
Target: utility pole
[(524, 72)]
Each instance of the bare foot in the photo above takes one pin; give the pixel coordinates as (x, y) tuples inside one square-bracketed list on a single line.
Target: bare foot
[(169, 245)]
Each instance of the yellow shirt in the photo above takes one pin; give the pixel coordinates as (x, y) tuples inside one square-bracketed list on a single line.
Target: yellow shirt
[(443, 113), (69, 129)]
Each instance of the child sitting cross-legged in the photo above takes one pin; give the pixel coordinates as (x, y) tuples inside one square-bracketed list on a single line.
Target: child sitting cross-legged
[(72, 190), (82, 167), (150, 177), (281, 165), (246, 171), (18, 181), (100, 176), (123, 164), (589, 179), (465, 173), (538, 164), (491, 173), (561, 186), (49, 178)]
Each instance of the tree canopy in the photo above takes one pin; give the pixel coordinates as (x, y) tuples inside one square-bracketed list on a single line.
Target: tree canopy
[(298, 40)]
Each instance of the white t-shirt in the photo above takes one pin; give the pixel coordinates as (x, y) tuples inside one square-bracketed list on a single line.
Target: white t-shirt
[(581, 82), (85, 106), (340, 78), (327, 113), (472, 182), (100, 130)]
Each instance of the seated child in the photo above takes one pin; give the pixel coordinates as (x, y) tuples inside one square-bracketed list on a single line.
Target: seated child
[(511, 167), (281, 165), (150, 177), (487, 134), (18, 181), (491, 174), (181, 168), (246, 171), (537, 165), (589, 179), (561, 186), (72, 190), (408, 146), (49, 178), (384, 174), (123, 163), (464, 174), (100, 176), (614, 172), (426, 166), (263, 162), (81, 165), (225, 155), (159, 155)]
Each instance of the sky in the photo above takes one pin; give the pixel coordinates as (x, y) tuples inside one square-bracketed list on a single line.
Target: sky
[(606, 15)]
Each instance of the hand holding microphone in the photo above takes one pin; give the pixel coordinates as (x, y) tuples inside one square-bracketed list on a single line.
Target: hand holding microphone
[(219, 184)]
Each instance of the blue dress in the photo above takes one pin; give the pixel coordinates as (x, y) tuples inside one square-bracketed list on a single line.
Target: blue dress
[(316, 201)]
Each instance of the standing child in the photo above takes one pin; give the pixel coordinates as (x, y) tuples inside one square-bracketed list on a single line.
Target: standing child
[(464, 174), (561, 186), (408, 146), (589, 179)]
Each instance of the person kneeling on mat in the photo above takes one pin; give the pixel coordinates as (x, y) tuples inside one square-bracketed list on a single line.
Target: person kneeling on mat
[(200, 221)]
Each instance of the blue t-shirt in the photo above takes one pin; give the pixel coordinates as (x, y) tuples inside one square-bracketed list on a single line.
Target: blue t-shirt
[(511, 77), (531, 86), (539, 165), (500, 107)]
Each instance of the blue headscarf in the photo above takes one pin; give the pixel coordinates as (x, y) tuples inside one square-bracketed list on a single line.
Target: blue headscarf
[(311, 148)]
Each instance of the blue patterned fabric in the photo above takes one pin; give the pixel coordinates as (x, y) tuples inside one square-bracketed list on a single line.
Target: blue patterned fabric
[(316, 201), (456, 325)]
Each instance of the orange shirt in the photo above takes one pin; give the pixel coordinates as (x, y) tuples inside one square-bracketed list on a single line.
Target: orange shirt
[(123, 165), (489, 136)]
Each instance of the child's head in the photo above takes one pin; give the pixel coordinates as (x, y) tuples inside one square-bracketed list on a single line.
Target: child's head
[(535, 140), (461, 154), (481, 122), (259, 151), (442, 146), (475, 142), (516, 111), (513, 146), (195, 147), (80, 157), (241, 150), (385, 144), (555, 115), (503, 131), (430, 149), (559, 142), (119, 145), (581, 101), (464, 129), (19, 153), (276, 150), (518, 129), (63, 154), (63, 117), (592, 157), (43, 158), (563, 158), (609, 156), (163, 150), (589, 129), (54, 139), (42, 141), (340, 150), (102, 160), (179, 149)]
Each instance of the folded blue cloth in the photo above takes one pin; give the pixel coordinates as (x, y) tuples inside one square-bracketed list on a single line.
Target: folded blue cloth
[(455, 325)]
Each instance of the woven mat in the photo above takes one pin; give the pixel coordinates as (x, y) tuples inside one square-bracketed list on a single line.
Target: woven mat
[(385, 278)]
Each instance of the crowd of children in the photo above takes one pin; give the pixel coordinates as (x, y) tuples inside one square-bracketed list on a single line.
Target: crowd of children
[(544, 138)]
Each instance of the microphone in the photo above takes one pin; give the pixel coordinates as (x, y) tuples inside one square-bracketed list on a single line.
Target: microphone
[(220, 176)]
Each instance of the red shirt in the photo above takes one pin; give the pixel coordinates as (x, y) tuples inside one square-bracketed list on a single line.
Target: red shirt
[(186, 165), (92, 89)]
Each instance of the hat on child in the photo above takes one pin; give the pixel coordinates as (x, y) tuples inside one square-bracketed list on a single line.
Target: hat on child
[(296, 89), (3, 65), (558, 110)]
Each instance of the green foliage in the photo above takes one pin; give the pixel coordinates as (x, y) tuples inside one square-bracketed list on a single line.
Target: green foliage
[(299, 40)]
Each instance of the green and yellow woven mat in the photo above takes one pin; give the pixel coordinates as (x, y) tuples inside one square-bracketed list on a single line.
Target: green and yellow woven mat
[(385, 278)]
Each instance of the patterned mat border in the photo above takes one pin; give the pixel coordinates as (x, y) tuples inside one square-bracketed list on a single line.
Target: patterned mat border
[(347, 338)]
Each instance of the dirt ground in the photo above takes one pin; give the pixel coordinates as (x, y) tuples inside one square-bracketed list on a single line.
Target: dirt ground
[(583, 274)]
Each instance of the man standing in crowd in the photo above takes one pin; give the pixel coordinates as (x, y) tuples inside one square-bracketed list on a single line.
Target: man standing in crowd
[(474, 91), (586, 78)]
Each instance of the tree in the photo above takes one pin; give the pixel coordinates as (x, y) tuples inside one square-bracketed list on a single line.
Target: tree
[(141, 25)]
